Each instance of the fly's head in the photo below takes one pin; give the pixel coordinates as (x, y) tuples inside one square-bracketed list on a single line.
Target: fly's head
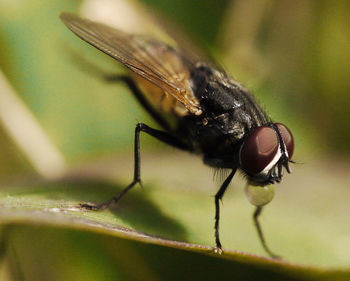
[(265, 152)]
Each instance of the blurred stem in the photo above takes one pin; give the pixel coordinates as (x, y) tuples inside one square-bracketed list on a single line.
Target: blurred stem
[(27, 133)]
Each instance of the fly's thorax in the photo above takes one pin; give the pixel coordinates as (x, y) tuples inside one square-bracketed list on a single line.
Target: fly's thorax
[(218, 137), (230, 106), (265, 152)]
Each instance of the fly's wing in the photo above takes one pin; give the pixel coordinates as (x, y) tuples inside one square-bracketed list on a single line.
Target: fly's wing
[(151, 59)]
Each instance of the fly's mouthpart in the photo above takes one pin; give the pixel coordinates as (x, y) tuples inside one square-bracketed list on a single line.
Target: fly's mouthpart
[(286, 165), (276, 174), (277, 171), (285, 162), (280, 170)]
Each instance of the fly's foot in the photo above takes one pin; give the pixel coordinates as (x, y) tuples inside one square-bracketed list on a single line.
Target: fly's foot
[(101, 206), (90, 207), (218, 250)]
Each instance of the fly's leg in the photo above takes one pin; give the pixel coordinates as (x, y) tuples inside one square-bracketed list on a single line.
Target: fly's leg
[(218, 197), (160, 135), (256, 215)]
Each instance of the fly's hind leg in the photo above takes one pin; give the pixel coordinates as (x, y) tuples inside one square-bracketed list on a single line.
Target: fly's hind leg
[(160, 135)]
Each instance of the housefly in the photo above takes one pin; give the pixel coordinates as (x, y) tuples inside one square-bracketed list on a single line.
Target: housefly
[(212, 115)]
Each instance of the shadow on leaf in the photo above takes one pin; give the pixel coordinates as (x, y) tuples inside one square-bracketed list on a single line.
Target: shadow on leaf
[(134, 209)]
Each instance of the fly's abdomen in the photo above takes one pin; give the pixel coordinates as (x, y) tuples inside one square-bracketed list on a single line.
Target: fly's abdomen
[(159, 99)]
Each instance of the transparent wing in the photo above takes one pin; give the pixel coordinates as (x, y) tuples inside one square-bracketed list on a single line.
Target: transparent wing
[(151, 59)]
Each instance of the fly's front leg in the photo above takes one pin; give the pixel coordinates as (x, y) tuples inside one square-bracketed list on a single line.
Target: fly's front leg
[(160, 135), (260, 233), (218, 197)]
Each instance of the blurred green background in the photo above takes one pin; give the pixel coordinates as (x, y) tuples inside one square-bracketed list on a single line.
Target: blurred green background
[(293, 55)]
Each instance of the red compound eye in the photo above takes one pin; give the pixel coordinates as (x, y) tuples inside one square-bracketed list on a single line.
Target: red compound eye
[(259, 149), (287, 138)]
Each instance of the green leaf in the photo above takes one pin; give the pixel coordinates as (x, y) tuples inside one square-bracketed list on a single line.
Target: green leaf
[(145, 237)]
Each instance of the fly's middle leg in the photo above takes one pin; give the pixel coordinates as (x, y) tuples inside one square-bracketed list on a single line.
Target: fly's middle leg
[(160, 135)]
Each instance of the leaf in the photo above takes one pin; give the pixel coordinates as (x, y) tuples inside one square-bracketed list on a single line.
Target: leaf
[(47, 237)]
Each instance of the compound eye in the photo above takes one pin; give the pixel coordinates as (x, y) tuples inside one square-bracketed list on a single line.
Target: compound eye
[(259, 149), (287, 138)]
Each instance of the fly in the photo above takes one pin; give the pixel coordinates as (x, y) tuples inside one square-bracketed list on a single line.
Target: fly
[(212, 115)]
